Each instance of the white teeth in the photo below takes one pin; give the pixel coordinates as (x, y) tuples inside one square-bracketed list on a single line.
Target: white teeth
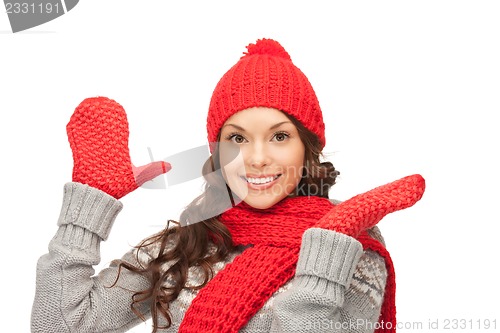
[(261, 180)]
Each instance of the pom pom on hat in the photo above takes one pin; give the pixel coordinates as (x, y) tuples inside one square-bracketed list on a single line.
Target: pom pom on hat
[(267, 46), (265, 77)]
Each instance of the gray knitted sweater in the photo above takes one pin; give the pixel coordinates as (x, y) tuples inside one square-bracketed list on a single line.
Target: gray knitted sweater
[(338, 287)]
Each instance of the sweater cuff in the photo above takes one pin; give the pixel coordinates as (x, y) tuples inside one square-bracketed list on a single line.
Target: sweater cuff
[(329, 255), (89, 208)]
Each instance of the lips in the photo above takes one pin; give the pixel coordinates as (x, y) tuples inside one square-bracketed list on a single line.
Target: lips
[(260, 182)]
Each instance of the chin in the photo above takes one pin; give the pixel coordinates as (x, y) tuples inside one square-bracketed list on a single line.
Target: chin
[(259, 205), (262, 203)]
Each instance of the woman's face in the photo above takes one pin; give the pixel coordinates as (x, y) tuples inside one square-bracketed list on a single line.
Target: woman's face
[(261, 156)]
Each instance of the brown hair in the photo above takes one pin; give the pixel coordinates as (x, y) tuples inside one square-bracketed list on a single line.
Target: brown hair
[(192, 241)]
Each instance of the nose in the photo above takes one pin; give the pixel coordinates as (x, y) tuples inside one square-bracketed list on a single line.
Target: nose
[(258, 155)]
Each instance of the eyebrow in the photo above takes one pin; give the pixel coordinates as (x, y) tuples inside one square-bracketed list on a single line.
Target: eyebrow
[(271, 128)]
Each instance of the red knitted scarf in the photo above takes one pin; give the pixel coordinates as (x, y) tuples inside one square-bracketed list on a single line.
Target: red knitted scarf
[(237, 292)]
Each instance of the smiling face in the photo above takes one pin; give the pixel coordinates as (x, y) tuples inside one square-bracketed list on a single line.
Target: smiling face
[(270, 156)]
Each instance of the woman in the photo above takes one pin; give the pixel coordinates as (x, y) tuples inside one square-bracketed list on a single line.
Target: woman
[(262, 249)]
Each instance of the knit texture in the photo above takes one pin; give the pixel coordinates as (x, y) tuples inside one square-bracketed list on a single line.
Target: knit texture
[(98, 136), (265, 76), (71, 297), (388, 311), (365, 210), (233, 296)]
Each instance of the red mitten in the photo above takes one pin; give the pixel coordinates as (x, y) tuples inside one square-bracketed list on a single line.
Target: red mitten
[(98, 136), (363, 211)]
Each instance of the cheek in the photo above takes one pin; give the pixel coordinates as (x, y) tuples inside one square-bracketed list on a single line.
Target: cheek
[(295, 171), (294, 162), (231, 159), (229, 171)]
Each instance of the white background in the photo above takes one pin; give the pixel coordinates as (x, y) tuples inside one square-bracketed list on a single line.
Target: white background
[(405, 86)]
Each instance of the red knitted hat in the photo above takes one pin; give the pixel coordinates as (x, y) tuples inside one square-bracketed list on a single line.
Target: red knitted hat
[(265, 76)]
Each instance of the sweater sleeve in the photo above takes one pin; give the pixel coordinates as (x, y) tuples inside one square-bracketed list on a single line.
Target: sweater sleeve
[(328, 292), (68, 296)]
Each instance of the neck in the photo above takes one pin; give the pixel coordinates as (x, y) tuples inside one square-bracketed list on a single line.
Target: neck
[(280, 225)]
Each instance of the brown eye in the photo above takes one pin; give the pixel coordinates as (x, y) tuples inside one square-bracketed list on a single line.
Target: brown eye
[(236, 138), (281, 136)]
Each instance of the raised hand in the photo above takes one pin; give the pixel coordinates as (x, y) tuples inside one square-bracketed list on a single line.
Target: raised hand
[(363, 211), (98, 136)]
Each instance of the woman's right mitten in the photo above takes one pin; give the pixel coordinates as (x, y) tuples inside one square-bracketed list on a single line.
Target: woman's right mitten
[(98, 136)]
